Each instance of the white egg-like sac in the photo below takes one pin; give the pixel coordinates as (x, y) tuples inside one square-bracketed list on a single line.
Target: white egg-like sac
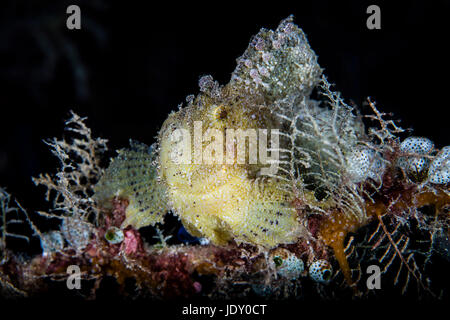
[(439, 172), (114, 235), (291, 268), (364, 163), (417, 145), (321, 271), (287, 264), (413, 162)]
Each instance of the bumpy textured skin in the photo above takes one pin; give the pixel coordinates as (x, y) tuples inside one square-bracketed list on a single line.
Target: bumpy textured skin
[(278, 64)]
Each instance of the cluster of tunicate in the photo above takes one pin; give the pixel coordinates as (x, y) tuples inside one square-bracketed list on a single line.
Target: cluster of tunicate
[(414, 160), (320, 271), (287, 264), (364, 163), (114, 235), (439, 172)]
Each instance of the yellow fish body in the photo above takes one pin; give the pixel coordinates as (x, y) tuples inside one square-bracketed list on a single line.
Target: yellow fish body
[(213, 192), (223, 201)]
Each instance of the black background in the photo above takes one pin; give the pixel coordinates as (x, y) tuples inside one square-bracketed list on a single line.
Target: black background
[(134, 62)]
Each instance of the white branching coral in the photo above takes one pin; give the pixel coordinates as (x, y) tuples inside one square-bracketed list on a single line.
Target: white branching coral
[(10, 214), (80, 167), (322, 136), (71, 189)]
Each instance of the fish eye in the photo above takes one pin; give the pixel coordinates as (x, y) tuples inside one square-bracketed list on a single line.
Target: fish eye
[(278, 261)]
